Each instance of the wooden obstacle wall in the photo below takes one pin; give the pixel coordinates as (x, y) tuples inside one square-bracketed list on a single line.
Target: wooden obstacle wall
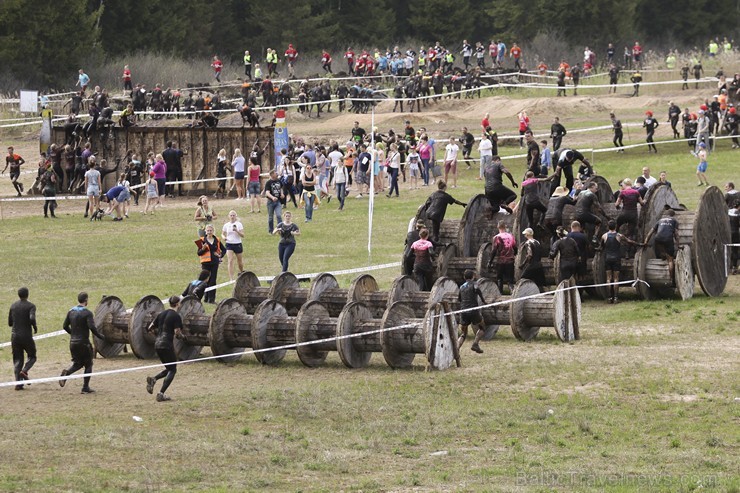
[(202, 146)]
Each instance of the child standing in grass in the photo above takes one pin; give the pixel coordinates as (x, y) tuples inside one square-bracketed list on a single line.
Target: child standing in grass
[(701, 169), (413, 160), (152, 194)]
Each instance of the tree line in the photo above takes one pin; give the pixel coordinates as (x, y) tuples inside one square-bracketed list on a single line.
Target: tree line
[(42, 42)]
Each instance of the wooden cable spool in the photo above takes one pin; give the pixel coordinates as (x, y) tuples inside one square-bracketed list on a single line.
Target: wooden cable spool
[(656, 273), (120, 327), (478, 224), (432, 335), (561, 310), (195, 326), (230, 330), (406, 290)]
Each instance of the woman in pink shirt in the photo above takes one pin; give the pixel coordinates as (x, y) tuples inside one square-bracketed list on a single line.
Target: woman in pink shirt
[(160, 176), (425, 154), (253, 186), (523, 127)]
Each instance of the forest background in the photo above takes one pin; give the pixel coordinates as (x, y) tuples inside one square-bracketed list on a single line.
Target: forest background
[(44, 42)]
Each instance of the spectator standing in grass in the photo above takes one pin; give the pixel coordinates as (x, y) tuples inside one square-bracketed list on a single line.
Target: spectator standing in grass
[(232, 234), (254, 188), (204, 215), (287, 231), (275, 200)]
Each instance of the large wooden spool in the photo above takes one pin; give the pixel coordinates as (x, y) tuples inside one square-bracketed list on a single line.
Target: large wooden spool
[(711, 233), (432, 335), (561, 310), (656, 273), (195, 325), (120, 327), (405, 289), (230, 330), (449, 229), (479, 224), (657, 199)]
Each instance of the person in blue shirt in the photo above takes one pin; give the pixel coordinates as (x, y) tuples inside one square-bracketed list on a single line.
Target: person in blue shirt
[(501, 53), (545, 159), (83, 80), (197, 287)]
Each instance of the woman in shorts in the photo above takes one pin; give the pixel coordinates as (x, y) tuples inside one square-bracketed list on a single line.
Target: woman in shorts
[(413, 161), (92, 185), (152, 195), (237, 164), (232, 234), (253, 187)]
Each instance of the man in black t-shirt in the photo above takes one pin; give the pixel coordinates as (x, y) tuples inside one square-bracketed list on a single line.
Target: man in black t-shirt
[(557, 132), (497, 194), (563, 159), (168, 325), (436, 208), (533, 153), (468, 297), (358, 134), (275, 200), (79, 323), (587, 200), (22, 319)]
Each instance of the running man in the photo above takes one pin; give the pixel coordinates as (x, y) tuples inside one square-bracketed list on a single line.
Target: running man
[(468, 296), (650, 124), (78, 324), (168, 325), (14, 161), (22, 318)]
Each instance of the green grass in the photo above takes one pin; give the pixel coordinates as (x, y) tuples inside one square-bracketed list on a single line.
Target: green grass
[(644, 402)]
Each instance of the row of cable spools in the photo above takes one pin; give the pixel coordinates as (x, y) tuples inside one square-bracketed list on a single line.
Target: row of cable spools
[(355, 322), (702, 236)]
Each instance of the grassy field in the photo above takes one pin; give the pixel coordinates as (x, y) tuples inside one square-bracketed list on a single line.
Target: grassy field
[(646, 401)]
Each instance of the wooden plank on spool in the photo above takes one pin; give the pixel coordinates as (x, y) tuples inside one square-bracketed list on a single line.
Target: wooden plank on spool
[(481, 262), (491, 294), (561, 315), (711, 233), (447, 253), (440, 343), (684, 273), (267, 310), (398, 344)]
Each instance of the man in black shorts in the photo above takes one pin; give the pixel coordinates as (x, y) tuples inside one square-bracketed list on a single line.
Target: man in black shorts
[(611, 244), (469, 295), (78, 324), (15, 162), (587, 200), (168, 325), (665, 232), (497, 194), (198, 287), (22, 318)]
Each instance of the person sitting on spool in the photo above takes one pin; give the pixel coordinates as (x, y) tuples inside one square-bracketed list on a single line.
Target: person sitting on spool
[(585, 202), (665, 232), (468, 297)]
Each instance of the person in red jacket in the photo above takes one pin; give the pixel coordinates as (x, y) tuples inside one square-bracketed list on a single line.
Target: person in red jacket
[(291, 54), (326, 61), (349, 55), (217, 65)]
